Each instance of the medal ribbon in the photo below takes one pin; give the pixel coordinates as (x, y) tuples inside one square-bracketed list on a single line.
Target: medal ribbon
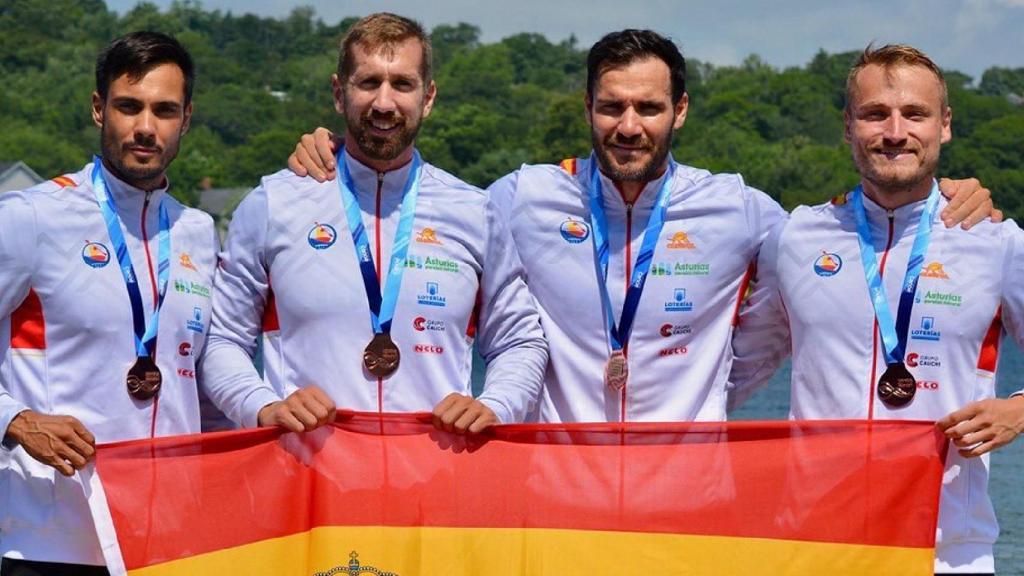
[(145, 332), (382, 309), (619, 334), (894, 334)]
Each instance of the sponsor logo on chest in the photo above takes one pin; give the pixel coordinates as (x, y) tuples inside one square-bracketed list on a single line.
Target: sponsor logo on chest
[(195, 323), (193, 288), (680, 269), (679, 303), (939, 298), (927, 331), (432, 297)]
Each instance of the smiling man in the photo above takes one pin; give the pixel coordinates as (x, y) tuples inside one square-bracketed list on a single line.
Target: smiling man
[(923, 307), (596, 233), (86, 265), (371, 287)]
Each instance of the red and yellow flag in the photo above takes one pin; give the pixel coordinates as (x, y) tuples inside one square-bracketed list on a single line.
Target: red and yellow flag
[(391, 495)]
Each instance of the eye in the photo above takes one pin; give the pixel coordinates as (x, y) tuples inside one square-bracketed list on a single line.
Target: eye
[(128, 106)]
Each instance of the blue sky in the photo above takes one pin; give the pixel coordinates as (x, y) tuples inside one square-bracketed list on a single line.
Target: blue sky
[(965, 35)]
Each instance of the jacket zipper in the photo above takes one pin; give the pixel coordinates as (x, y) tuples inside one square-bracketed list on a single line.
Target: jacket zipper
[(156, 296), (874, 340), (629, 272), (380, 267)]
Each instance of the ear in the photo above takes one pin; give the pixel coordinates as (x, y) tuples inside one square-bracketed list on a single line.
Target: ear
[(187, 120), (97, 109), (339, 94), (428, 98), (947, 125), (680, 111)]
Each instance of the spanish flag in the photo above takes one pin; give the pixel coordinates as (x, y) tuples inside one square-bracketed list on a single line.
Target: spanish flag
[(390, 495)]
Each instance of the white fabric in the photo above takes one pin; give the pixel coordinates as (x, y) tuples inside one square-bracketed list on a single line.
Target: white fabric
[(968, 276), (457, 245), (90, 344), (678, 356)]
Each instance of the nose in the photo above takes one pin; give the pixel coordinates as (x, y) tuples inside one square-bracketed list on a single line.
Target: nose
[(629, 124), (895, 128), (145, 125), (384, 101)]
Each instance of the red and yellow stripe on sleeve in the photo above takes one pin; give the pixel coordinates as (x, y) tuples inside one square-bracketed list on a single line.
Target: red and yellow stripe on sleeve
[(394, 495)]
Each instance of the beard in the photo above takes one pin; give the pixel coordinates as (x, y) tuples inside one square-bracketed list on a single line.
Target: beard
[(388, 147), (118, 158), (894, 178), (643, 170)]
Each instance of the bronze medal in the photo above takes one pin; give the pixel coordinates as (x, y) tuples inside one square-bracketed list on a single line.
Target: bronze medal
[(381, 356), (144, 379), (616, 371), (897, 386)]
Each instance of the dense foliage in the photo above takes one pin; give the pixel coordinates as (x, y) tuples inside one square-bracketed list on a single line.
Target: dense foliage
[(262, 82)]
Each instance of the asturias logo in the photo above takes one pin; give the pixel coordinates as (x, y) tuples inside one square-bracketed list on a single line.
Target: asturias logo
[(828, 264), (574, 231), (322, 236), (95, 254)]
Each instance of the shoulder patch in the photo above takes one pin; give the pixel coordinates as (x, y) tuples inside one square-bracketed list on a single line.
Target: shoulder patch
[(64, 182), (569, 165), (839, 199)]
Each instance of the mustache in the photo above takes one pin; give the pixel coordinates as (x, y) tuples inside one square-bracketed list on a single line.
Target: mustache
[(639, 141), (141, 141)]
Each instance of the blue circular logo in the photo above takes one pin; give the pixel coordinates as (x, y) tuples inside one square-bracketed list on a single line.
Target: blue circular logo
[(574, 231), (322, 236), (95, 254), (828, 264)]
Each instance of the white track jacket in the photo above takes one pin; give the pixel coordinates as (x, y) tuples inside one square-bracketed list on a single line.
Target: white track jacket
[(811, 284), (289, 270), (66, 342), (679, 352)]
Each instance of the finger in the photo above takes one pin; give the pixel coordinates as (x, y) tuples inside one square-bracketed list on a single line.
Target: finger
[(285, 419), (324, 147), (467, 419), (295, 164), (997, 215), (968, 204), (315, 407), (983, 211), (83, 432), (452, 415), (69, 455), (309, 167), (983, 448), (483, 422), (79, 445), (307, 418), (321, 397), (57, 462), (951, 190)]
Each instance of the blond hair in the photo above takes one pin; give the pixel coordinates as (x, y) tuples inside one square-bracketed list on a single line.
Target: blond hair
[(891, 56)]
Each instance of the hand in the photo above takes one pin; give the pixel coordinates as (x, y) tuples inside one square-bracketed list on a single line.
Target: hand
[(983, 426), (969, 203), (58, 441), (460, 414), (314, 155), (303, 410)]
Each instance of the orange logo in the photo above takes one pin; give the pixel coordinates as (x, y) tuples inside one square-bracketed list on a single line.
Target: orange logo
[(427, 236), (186, 261), (680, 241), (934, 270)]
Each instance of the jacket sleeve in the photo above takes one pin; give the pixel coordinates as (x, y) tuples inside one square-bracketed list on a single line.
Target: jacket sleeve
[(762, 338), (241, 288), (509, 335), (1013, 287), (17, 255)]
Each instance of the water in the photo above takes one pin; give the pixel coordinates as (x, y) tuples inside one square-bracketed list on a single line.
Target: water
[(772, 403)]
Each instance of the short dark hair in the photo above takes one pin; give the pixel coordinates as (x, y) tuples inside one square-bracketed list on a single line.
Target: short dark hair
[(623, 48), (383, 32), (136, 54)]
